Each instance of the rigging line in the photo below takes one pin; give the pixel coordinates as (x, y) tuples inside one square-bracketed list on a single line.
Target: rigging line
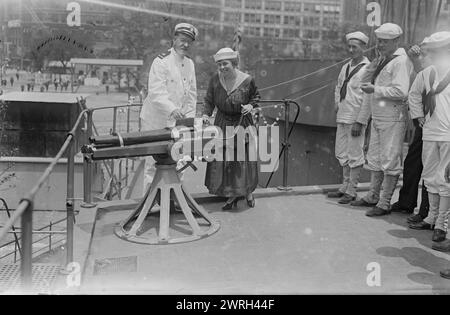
[(155, 12), (189, 3), (310, 88), (312, 73), (312, 92)]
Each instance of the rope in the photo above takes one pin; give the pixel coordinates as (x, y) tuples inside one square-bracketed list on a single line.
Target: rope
[(312, 73), (312, 92)]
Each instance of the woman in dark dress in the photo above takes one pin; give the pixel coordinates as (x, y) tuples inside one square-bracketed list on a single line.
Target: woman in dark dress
[(234, 95)]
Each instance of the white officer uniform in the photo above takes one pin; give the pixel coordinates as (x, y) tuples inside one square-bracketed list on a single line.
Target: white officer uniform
[(349, 150), (389, 111), (436, 134), (171, 85)]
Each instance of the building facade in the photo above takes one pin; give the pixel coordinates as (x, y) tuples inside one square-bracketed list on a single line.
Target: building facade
[(283, 19)]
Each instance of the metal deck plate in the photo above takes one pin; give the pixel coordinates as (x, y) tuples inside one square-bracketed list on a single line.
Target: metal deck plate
[(44, 276), (115, 265)]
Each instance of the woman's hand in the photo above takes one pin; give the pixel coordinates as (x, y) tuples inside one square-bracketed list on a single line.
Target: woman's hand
[(177, 114), (246, 109), (205, 120)]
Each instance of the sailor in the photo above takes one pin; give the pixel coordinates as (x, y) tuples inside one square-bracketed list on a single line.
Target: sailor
[(348, 100), (172, 89), (386, 103), (429, 101)]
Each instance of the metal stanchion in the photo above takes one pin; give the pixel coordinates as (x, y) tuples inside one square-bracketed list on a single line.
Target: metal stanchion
[(112, 165), (70, 202), (87, 168), (286, 145), (27, 247)]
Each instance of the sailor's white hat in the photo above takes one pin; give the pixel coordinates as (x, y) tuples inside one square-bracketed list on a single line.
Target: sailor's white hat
[(436, 40), (359, 36), (389, 31)]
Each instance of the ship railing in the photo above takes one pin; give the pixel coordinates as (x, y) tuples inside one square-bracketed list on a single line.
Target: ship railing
[(24, 210), (117, 171)]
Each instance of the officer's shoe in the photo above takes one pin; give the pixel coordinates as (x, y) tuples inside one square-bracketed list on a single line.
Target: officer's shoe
[(335, 194), (439, 235), (442, 246), (421, 226), (377, 212), (417, 218), (346, 199), (362, 203), (396, 207), (445, 274)]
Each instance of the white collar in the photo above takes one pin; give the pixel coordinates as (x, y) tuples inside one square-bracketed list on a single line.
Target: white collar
[(365, 60), (240, 77), (400, 52)]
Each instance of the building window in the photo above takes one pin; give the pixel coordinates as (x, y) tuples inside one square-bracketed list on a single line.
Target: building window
[(253, 4), (292, 20), (291, 6), (273, 6), (271, 32), (252, 18), (252, 31), (272, 19), (333, 9), (291, 33), (233, 3), (309, 7), (330, 22), (311, 34), (311, 21)]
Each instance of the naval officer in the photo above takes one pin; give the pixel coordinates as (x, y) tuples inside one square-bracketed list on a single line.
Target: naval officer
[(172, 89)]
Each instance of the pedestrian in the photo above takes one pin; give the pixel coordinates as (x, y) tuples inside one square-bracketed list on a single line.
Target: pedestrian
[(429, 101), (11, 80), (350, 137), (172, 89), (55, 83), (386, 104)]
